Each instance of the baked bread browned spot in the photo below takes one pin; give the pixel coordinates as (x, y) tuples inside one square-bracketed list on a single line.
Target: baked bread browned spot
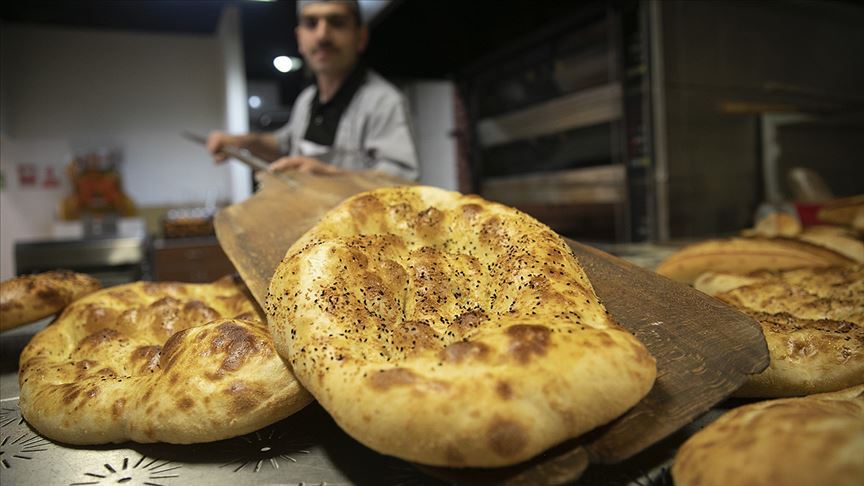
[(743, 255), (28, 298), (806, 356), (156, 362), (813, 321), (449, 330), (794, 441)]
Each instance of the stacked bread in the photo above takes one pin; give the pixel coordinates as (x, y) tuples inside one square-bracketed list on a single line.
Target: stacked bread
[(776, 243), (806, 290), (804, 287), (813, 320)]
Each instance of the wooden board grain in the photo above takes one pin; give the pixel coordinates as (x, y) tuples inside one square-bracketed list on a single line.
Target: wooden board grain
[(704, 348)]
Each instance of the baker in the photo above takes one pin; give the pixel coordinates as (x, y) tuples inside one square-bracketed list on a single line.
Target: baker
[(350, 119)]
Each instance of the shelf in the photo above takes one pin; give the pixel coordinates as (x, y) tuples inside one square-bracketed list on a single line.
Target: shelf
[(592, 185), (585, 108)]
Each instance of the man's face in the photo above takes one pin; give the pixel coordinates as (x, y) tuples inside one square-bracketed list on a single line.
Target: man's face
[(329, 38)]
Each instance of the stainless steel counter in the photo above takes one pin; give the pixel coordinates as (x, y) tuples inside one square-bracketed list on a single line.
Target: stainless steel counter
[(112, 260)]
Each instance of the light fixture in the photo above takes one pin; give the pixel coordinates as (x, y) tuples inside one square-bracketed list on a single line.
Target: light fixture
[(285, 64), (254, 102)]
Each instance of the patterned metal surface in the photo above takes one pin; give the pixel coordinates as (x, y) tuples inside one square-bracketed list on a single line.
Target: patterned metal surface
[(284, 453), (307, 448)]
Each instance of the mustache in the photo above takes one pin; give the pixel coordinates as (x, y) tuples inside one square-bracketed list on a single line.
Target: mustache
[(324, 45)]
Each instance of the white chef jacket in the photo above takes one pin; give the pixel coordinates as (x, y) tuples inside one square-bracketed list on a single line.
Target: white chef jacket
[(374, 132)]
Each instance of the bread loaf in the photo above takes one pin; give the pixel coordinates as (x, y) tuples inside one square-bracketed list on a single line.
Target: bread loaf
[(449, 330), (791, 442), (28, 298), (743, 255), (156, 362)]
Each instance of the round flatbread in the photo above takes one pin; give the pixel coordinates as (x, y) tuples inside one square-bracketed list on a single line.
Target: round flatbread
[(813, 321), (795, 441), (28, 298), (156, 362), (449, 330), (806, 356)]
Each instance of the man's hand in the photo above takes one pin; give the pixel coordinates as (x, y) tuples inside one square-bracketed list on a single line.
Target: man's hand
[(263, 145), (304, 164), (217, 140)]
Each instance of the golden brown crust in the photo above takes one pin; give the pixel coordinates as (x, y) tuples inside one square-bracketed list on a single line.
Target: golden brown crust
[(28, 298), (796, 441), (807, 356), (715, 283), (843, 211), (743, 255), (813, 321), (837, 238), (449, 330), (775, 224), (811, 293), (156, 362), (843, 243)]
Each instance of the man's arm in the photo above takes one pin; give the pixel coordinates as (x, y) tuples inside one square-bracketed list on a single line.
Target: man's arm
[(304, 164), (264, 145)]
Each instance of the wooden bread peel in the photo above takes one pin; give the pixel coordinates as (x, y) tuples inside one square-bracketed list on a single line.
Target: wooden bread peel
[(704, 348)]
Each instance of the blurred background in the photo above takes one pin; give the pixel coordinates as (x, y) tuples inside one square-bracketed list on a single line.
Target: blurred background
[(615, 121)]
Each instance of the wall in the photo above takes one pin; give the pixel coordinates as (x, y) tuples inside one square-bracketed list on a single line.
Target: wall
[(726, 63), (431, 104), (67, 89), (831, 148), (235, 96)]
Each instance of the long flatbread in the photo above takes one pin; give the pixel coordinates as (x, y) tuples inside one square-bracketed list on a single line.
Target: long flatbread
[(449, 330)]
